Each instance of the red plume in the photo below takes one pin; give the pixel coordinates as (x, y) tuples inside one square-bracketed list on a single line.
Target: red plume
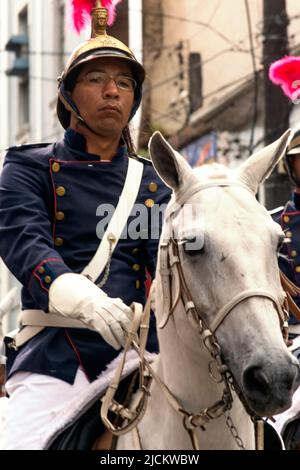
[(82, 12), (286, 73)]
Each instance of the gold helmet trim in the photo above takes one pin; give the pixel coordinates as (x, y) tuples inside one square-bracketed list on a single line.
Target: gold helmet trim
[(294, 146), (99, 40)]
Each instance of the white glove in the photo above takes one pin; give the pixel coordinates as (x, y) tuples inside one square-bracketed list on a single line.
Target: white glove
[(73, 295)]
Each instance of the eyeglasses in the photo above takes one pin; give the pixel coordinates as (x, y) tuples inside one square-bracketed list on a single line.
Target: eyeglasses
[(100, 79)]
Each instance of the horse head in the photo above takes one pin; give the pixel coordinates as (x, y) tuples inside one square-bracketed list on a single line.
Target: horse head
[(226, 251)]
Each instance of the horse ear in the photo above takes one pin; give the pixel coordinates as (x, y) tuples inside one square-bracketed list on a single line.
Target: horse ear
[(169, 164), (260, 165)]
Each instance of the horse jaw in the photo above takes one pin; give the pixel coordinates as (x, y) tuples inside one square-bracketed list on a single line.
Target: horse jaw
[(261, 164)]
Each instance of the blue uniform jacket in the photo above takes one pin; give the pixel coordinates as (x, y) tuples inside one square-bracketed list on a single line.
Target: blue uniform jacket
[(289, 254), (49, 195)]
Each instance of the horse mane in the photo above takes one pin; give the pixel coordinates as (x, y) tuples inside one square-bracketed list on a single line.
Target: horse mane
[(213, 171)]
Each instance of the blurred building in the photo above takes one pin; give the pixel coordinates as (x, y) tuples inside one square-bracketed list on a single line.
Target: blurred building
[(201, 76)]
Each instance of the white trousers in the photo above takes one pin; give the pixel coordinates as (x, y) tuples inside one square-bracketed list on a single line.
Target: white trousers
[(34, 402)]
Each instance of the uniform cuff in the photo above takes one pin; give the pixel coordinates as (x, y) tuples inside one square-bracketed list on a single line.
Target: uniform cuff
[(42, 277)]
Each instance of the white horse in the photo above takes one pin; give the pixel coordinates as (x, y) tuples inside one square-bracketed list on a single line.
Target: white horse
[(217, 272), (220, 315)]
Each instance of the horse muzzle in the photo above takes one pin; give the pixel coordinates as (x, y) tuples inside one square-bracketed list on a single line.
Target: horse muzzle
[(268, 385)]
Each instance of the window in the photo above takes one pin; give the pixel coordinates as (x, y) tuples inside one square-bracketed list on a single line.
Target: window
[(195, 78), (23, 102)]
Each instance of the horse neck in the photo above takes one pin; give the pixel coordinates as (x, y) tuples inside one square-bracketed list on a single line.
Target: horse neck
[(183, 360), (187, 377)]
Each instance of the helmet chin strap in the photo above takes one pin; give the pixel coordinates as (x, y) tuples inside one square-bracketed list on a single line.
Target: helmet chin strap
[(72, 108), (82, 122)]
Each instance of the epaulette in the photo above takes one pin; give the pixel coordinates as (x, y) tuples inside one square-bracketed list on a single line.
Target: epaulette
[(27, 146), (144, 160), (276, 211)]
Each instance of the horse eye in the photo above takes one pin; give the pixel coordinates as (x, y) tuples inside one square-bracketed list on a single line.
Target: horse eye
[(193, 246)]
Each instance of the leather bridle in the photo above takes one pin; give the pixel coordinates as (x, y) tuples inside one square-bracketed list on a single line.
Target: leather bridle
[(170, 258)]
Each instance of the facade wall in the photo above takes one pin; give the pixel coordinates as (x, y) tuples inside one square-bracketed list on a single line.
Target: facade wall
[(219, 32), (220, 35)]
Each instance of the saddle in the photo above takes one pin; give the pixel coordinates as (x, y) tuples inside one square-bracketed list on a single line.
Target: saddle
[(81, 424), (88, 429), (288, 423)]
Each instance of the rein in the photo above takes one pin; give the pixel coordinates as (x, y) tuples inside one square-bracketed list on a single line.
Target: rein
[(175, 286)]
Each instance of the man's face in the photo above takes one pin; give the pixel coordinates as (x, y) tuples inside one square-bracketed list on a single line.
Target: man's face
[(296, 166), (105, 107)]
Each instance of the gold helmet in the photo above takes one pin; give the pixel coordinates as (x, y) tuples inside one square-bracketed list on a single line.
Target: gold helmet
[(100, 45), (292, 150)]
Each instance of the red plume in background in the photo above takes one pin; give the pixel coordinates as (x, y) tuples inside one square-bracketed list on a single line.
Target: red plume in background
[(82, 11), (286, 73)]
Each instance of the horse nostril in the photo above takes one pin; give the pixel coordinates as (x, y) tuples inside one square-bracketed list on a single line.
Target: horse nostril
[(256, 381)]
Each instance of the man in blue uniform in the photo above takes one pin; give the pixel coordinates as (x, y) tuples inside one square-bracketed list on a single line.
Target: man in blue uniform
[(289, 262), (52, 206), (289, 219)]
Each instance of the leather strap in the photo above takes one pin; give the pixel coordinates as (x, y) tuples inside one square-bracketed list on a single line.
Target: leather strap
[(294, 329), (182, 197), (40, 318), (131, 416), (224, 311), (291, 290), (34, 321)]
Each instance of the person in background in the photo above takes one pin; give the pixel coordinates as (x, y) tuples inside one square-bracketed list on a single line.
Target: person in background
[(289, 219)]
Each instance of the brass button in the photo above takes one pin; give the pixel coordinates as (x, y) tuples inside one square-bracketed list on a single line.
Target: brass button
[(286, 219), (41, 270), (152, 187), (60, 191), (149, 203), (55, 167), (135, 251), (59, 215), (111, 238), (297, 269), (294, 253), (289, 234), (138, 284), (48, 279), (58, 241), (136, 267)]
